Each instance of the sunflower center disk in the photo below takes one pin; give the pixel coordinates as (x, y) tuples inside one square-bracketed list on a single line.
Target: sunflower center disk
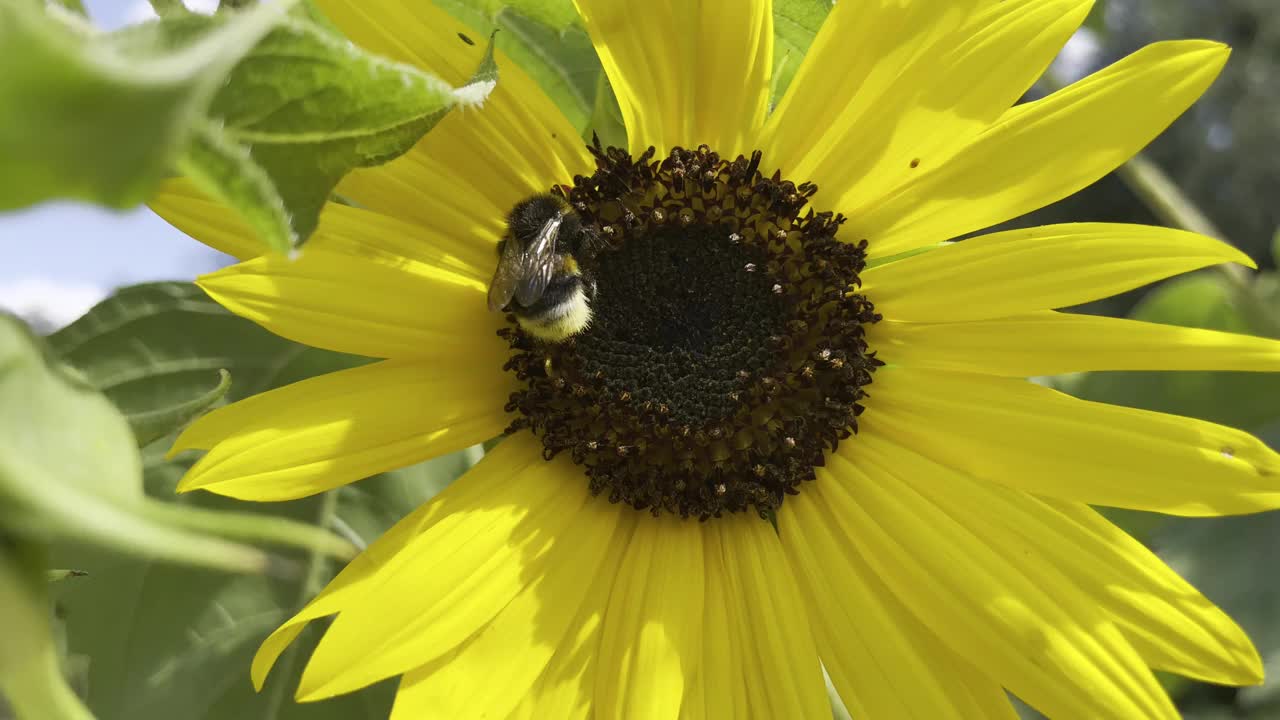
[(726, 350)]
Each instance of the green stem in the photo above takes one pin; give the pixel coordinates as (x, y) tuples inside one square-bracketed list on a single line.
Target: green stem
[(31, 676), (1172, 206), (252, 527), (1165, 198), (312, 581)]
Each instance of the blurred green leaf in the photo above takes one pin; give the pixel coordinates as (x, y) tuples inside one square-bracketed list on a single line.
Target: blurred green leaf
[(148, 425), (74, 6), (98, 123), (555, 14), (69, 469), (795, 23), (170, 642), (1097, 18), (167, 641), (158, 345), (1220, 556), (1239, 399), (165, 8), (30, 674)]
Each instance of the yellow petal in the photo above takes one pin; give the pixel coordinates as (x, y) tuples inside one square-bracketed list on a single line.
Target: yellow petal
[(185, 207), (364, 305), (334, 429), (720, 688), (1028, 437), (460, 574), (1037, 268), (1189, 635), (952, 91), (473, 495), (1043, 151), (883, 662), (341, 228), (686, 72), (1048, 343), (652, 640), (775, 645), (567, 685), (477, 162), (1169, 622), (998, 613), (520, 642), (855, 64)]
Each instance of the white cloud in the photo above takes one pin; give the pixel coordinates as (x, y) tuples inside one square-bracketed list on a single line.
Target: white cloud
[(48, 301), (139, 11)]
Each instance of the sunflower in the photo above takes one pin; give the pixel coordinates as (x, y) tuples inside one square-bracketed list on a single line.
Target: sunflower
[(797, 433)]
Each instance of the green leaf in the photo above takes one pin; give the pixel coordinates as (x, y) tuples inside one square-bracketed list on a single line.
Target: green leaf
[(227, 171), (98, 120), (368, 508), (170, 642), (555, 14), (302, 109), (558, 55), (69, 469), (157, 345), (180, 639), (72, 6), (166, 8), (188, 659), (149, 425), (795, 23), (30, 675), (606, 117)]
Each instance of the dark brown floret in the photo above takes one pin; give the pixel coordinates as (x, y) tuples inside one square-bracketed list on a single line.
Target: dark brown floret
[(726, 352)]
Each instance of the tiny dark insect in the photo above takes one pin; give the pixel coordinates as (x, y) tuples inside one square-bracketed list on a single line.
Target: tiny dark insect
[(466, 39)]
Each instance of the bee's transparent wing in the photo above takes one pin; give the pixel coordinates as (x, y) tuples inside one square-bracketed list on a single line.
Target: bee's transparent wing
[(539, 263), (507, 276)]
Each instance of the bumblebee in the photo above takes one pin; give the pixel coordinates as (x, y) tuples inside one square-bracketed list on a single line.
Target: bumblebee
[(539, 277)]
